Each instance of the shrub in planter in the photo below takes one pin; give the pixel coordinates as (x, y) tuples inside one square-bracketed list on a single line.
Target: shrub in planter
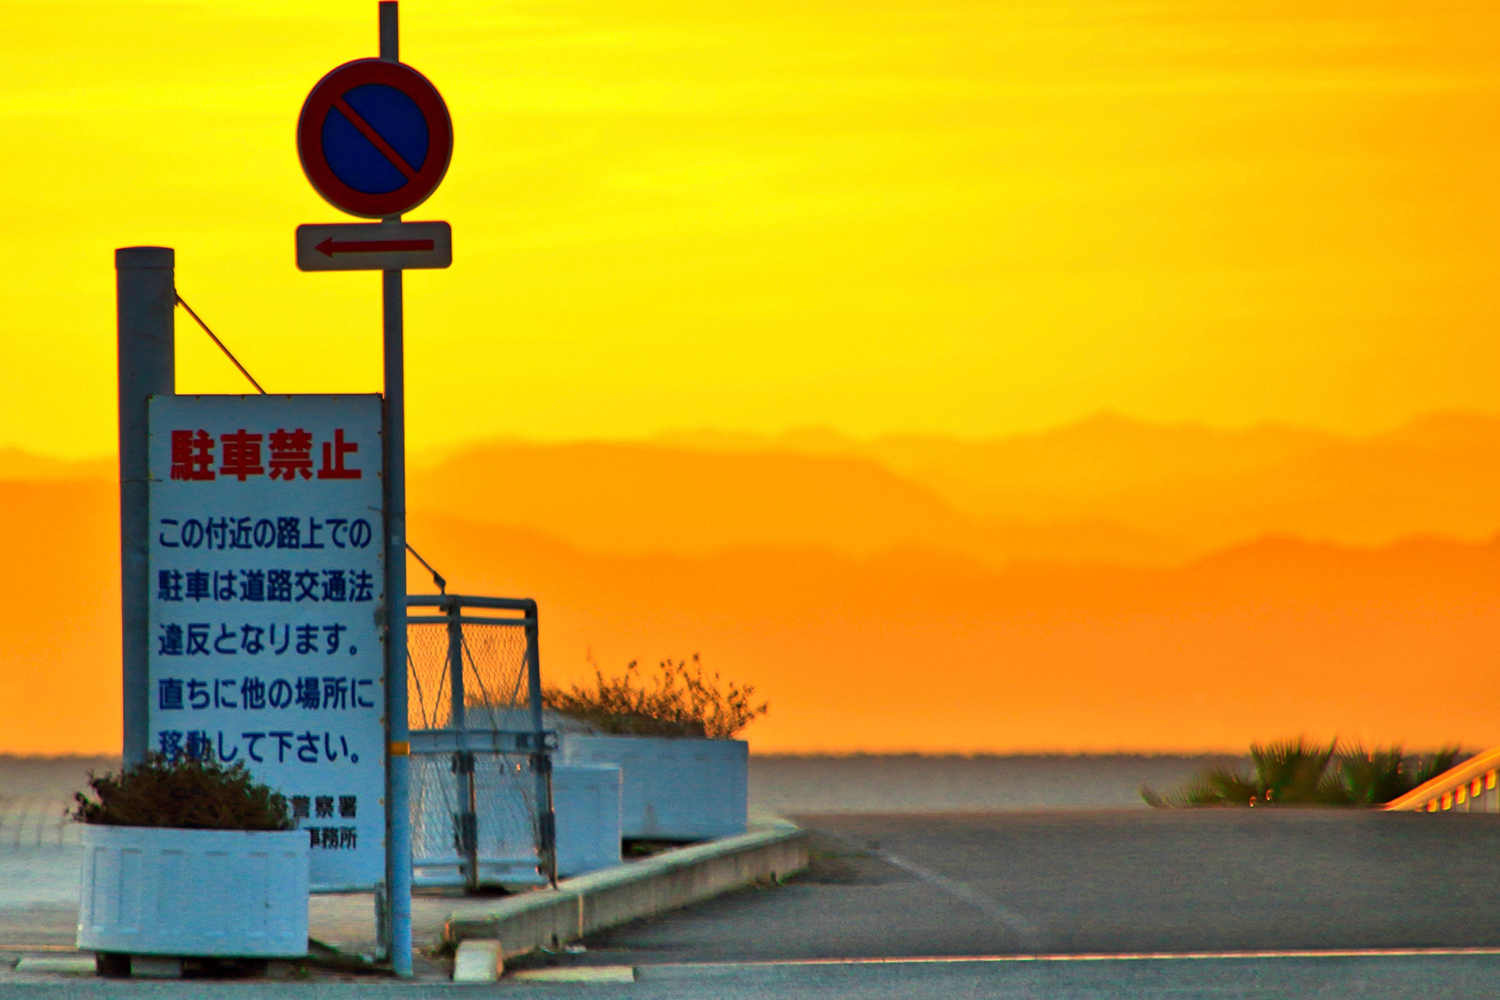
[(186, 794), (189, 858), (683, 775)]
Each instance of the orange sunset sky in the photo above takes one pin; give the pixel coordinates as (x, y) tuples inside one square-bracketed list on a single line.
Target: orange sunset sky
[(967, 376)]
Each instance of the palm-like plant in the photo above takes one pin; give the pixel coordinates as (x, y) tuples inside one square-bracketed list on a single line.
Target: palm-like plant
[(1289, 772), (1295, 772), (1367, 778), (1218, 786), (1377, 776)]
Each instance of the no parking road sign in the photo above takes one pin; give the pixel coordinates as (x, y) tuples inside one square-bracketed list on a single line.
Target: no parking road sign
[(375, 138)]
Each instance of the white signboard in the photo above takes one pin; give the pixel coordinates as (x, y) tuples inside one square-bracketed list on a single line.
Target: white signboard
[(267, 587)]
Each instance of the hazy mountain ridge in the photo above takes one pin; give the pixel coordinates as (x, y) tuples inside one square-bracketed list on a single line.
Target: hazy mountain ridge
[(909, 648), (637, 499), (922, 649), (1091, 459), (16, 464), (1107, 489), (1104, 490)]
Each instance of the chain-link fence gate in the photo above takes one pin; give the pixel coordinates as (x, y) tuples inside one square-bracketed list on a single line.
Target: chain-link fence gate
[(481, 770)]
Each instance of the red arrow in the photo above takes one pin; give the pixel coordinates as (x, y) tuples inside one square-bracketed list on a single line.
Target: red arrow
[(328, 247)]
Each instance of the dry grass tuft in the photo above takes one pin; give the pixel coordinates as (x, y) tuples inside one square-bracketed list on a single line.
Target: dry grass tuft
[(678, 700)]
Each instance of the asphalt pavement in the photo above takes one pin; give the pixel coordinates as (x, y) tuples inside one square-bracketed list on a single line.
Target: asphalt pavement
[(1102, 882), (1402, 977), (1078, 904)]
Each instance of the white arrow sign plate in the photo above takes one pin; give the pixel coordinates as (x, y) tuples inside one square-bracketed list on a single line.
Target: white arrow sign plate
[(377, 246)]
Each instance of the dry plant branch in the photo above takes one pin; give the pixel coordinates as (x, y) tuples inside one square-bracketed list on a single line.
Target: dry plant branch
[(677, 700)]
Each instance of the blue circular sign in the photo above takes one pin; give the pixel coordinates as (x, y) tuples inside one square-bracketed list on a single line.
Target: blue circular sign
[(375, 138)]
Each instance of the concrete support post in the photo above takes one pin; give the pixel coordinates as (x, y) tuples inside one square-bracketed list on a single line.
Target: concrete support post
[(457, 697), (145, 296), (466, 821), (541, 758)]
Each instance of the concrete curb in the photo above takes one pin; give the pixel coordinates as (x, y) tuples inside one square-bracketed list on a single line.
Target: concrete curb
[(580, 906)]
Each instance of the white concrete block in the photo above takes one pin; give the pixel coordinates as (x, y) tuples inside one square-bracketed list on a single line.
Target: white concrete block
[(672, 789), (478, 962), (67, 965), (586, 799)]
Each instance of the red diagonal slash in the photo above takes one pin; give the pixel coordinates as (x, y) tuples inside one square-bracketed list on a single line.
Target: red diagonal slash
[(375, 138), (329, 247)]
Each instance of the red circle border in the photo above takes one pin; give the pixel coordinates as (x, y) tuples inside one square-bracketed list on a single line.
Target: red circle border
[(336, 84)]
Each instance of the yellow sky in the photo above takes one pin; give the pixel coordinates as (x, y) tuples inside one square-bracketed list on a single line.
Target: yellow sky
[(965, 217)]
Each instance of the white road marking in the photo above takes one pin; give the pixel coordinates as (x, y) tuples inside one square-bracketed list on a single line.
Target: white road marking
[(578, 974)]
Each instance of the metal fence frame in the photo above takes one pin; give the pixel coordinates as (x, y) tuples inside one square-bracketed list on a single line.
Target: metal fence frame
[(461, 743)]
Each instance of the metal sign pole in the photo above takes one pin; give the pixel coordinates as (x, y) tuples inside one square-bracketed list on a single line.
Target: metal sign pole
[(398, 816), (145, 299)]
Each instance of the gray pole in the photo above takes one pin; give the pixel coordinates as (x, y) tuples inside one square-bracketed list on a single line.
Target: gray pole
[(398, 836), (145, 295), (398, 817), (541, 759), (456, 695), (467, 819)]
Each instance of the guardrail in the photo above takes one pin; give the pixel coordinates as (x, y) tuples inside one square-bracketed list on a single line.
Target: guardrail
[(1473, 786)]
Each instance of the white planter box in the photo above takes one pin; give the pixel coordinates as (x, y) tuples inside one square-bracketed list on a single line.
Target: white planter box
[(586, 799), (673, 789), (212, 893)]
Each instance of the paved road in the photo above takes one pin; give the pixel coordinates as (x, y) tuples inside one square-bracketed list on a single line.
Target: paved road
[(978, 890), (1148, 881), (1384, 978)]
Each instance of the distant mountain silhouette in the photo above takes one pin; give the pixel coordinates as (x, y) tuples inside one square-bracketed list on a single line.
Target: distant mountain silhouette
[(1091, 459), (16, 464), (1107, 489), (642, 498), (60, 617), (1128, 586), (923, 650)]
